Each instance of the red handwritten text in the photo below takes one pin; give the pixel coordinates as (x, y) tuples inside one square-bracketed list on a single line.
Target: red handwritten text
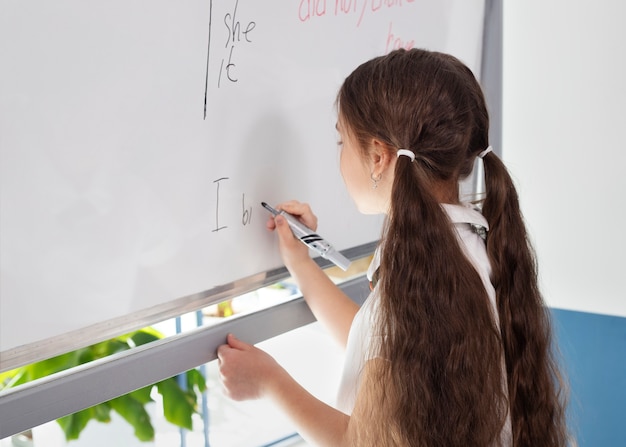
[(310, 9), (394, 42)]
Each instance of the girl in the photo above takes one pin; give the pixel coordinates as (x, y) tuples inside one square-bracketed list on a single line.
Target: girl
[(452, 348)]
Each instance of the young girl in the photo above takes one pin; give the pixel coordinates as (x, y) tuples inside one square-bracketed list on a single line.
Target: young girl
[(452, 348)]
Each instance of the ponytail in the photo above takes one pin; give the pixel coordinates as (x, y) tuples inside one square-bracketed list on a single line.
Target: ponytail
[(536, 411), (442, 372)]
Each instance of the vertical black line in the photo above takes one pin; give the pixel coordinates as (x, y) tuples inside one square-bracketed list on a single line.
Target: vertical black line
[(217, 207), (219, 78), (208, 53)]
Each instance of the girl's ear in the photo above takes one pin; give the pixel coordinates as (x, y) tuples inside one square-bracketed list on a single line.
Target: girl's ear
[(381, 158)]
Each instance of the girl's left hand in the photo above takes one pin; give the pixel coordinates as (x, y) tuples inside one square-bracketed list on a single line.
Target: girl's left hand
[(245, 370)]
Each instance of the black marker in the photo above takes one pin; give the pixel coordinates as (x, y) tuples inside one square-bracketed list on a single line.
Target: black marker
[(311, 239)]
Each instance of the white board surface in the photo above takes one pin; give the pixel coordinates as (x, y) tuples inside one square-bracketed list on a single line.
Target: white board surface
[(138, 138)]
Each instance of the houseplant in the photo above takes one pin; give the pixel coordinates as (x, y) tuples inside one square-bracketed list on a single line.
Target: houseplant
[(179, 402)]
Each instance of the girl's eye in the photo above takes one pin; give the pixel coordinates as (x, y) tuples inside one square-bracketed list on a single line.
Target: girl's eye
[(339, 143)]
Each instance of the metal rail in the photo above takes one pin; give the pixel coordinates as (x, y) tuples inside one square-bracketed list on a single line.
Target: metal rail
[(73, 390)]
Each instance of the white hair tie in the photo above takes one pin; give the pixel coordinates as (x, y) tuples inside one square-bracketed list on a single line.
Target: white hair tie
[(485, 152), (406, 152)]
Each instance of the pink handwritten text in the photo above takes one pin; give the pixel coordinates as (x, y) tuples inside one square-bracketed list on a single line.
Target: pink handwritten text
[(310, 9), (395, 42)]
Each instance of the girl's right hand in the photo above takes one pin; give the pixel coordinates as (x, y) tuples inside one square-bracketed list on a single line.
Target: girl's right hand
[(291, 249)]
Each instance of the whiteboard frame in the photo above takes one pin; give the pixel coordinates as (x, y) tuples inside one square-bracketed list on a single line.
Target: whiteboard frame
[(55, 396)]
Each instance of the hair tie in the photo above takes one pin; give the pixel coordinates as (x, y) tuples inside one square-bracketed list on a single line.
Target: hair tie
[(406, 152), (485, 152)]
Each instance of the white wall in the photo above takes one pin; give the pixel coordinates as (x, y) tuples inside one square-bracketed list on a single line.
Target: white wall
[(564, 99)]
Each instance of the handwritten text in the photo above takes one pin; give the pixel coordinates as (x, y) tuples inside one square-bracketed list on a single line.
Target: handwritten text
[(310, 9), (238, 33), (246, 209)]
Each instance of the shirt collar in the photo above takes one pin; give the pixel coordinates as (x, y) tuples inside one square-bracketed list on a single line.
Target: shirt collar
[(465, 213)]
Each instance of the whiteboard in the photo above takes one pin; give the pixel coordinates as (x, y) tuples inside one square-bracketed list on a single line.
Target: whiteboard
[(138, 138)]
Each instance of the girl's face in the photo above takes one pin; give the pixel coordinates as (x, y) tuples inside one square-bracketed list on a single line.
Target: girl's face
[(356, 173)]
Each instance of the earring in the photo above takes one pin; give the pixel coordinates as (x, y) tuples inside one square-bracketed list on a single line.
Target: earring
[(375, 180)]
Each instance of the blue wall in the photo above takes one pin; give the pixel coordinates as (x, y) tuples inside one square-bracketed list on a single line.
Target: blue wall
[(593, 350)]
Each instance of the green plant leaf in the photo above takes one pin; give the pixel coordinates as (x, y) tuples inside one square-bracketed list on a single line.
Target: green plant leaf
[(9, 379), (52, 365), (195, 380), (106, 348), (177, 406), (143, 394), (102, 412), (145, 336), (135, 414), (75, 423)]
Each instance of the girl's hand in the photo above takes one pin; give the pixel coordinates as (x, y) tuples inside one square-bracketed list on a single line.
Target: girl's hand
[(292, 250), (245, 370)]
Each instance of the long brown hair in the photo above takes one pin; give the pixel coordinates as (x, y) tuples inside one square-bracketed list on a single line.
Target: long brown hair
[(441, 381)]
